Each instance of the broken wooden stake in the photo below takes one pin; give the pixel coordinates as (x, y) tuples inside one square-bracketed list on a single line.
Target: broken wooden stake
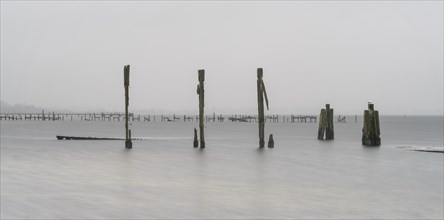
[(261, 92)]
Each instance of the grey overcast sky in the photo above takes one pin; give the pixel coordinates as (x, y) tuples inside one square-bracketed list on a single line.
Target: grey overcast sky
[(70, 55)]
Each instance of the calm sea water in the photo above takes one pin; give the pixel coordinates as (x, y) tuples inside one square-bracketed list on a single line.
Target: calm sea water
[(163, 176)]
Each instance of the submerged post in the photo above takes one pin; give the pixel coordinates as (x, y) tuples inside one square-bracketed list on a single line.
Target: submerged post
[(326, 124), (370, 131), (195, 143), (271, 141), (126, 71), (200, 92), (261, 92)]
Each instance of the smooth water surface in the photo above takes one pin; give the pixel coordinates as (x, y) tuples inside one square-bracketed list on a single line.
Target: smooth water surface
[(163, 176)]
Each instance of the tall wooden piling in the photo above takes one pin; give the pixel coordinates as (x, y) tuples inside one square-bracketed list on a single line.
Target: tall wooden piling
[(201, 93), (370, 131), (326, 124), (261, 92), (126, 74)]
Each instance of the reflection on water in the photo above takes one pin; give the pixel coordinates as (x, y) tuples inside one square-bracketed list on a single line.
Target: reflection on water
[(231, 178)]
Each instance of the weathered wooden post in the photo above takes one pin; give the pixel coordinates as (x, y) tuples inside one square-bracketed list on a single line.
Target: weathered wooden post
[(370, 131), (326, 124), (261, 92), (201, 93), (126, 73), (195, 143)]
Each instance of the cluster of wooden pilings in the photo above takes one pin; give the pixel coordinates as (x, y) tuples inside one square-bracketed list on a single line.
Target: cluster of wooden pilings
[(303, 118), (191, 118), (370, 131), (33, 116), (87, 117), (326, 124), (253, 118)]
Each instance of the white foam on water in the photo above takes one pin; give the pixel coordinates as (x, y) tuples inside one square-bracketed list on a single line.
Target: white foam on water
[(422, 148)]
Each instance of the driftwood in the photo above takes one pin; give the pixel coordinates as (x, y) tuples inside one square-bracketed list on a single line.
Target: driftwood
[(60, 137)]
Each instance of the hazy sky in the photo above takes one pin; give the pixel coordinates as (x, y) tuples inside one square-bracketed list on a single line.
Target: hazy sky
[(71, 55)]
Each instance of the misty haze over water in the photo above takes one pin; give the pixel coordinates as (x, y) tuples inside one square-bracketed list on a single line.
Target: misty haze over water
[(66, 55)]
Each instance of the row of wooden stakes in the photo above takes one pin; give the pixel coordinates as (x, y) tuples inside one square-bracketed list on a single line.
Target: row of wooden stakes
[(96, 117), (370, 130)]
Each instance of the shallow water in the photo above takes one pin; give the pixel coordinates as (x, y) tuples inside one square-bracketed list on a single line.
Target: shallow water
[(165, 177)]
